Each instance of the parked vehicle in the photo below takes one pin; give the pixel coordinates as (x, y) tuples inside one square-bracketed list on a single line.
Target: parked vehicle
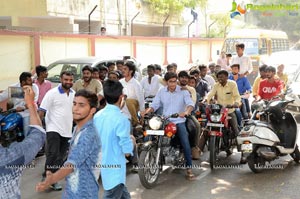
[(273, 135), (75, 65), (11, 128), (221, 136), (294, 107)]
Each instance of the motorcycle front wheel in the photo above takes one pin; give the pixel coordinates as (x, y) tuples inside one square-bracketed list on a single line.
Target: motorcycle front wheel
[(212, 151), (148, 169), (254, 163)]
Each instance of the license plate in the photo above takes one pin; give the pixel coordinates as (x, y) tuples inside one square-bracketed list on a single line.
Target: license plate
[(246, 147), (155, 132), (215, 124)]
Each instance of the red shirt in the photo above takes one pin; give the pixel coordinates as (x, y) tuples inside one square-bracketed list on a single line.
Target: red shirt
[(267, 90)]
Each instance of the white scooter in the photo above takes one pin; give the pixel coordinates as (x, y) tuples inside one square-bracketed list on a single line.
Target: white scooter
[(271, 132)]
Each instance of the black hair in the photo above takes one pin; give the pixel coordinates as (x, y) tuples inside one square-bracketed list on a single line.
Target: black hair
[(102, 68), (39, 69), (67, 73), (110, 64), (271, 68), (131, 67), (183, 73), (95, 69), (103, 28), (195, 71), (112, 91), (115, 73), (174, 65), (120, 62), (157, 67), (222, 72), (211, 65), (262, 68), (240, 45), (170, 66), (24, 76), (151, 67), (202, 66), (90, 96), (87, 67), (170, 75), (235, 65)]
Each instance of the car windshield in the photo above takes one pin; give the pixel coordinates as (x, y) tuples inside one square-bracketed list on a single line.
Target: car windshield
[(55, 70)]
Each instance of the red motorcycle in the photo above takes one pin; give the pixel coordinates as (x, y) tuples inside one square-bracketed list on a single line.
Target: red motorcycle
[(218, 129)]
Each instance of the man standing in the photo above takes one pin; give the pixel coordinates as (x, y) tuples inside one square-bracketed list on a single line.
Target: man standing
[(270, 86), (114, 130), (135, 96), (43, 84), (174, 100), (81, 167), (151, 83), (19, 154), (243, 60), (282, 76), (203, 74), (57, 105), (88, 83)]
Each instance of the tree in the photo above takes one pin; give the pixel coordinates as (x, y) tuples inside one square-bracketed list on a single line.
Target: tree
[(172, 7), (223, 22)]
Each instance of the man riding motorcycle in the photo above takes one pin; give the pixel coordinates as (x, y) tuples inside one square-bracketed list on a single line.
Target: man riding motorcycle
[(227, 95)]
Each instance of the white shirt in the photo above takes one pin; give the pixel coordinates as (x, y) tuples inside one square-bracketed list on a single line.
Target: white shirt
[(58, 107), (151, 89), (244, 62), (134, 91), (19, 102), (210, 80)]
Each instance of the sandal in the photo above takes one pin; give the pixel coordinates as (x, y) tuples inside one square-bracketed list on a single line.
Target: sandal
[(189, 175)]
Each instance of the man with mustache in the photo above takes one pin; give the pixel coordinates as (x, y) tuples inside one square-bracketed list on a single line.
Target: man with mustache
[(57, 106)]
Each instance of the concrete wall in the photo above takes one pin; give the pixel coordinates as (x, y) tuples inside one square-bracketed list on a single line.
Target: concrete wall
[(21, 51)]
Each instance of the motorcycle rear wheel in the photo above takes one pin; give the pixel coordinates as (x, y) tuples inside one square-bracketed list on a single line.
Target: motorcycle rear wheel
[(296, 155), (148, 170)]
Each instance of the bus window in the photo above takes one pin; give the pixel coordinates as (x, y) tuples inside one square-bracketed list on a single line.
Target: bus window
[(263, 49)]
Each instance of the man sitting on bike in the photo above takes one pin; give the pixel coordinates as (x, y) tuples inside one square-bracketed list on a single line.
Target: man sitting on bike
[(175, 100), (227, 95)]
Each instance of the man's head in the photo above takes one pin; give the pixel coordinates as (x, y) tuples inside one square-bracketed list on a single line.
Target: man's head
[(203, 70), (95, 74), (157, 69), (84, 105), (270, 72), (212, 67), (280, 68), (113, 92), (111, 66), (120, 64), (240, 49), (171, 68), (192, 81), (195, 73), (103, 30), (218, 68), (223, 54), (222, 76), (262, 71), (114, 75), (66, 79), (171, 79), (41, 71), (151, 70), (87, 73), (128, 69), (25, 79), (183, 78), (102, 72), (235, 68)]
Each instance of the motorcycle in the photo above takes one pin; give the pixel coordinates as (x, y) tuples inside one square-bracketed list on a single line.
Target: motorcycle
[(11, 127), (161, 149), (271, 133), (218, 129)]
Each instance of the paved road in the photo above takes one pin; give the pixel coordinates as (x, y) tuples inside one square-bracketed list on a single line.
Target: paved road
[(231, 180)]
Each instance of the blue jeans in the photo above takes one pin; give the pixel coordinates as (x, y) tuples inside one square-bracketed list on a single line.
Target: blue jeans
[(184, 141), (118, 192)]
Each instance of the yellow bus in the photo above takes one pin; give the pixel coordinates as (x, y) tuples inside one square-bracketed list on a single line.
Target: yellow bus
[(259, 43)]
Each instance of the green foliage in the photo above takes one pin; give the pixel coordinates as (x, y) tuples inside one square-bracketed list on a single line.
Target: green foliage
[(170, 6)]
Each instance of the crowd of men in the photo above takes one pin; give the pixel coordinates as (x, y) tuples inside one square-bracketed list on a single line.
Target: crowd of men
[(104, 105)]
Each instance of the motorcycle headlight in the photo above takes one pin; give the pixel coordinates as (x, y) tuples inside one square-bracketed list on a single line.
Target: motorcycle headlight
[(155, 123), (215, 118)]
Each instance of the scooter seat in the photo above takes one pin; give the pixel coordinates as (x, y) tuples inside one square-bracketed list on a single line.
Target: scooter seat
[(261, 124)]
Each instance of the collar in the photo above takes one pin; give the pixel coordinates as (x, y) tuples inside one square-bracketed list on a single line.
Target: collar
[(177, 89), (61, 90), (112, 107)]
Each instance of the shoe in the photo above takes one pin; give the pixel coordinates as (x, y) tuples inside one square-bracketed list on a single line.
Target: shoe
[(196, 153), (134, 168), (189, 175), (228, 152), (243, 160), (56, 187)]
